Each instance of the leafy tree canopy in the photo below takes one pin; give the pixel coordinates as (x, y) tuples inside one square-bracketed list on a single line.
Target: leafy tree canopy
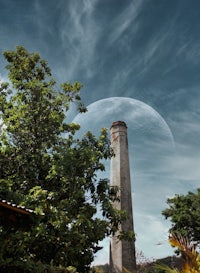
[(44, 167), (184, 213)]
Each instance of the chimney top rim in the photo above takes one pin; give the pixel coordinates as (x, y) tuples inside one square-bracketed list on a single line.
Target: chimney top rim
[(118, 123)]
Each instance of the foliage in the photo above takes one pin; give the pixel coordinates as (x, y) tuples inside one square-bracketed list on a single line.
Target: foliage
[(30, 266), (128, 236), (189, 253), (142, 262), (184, 213), (44, 167)]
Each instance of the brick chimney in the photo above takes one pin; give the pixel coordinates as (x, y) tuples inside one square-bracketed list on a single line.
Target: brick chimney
[(122, 253)]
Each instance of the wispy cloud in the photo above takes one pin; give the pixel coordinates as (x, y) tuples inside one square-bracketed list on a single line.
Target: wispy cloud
[(124, 20), (157, 232), (79, 35), (156, 48)]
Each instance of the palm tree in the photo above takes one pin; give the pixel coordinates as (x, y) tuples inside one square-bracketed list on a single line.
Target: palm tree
[(189, 253)]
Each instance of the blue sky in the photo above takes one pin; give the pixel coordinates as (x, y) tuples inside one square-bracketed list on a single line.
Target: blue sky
[(145, 50)]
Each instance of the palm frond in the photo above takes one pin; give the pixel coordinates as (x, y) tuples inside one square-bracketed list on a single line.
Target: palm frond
[(166, 268), (189, 253)]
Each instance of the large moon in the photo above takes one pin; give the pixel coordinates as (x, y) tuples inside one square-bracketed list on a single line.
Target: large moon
[(151, 146), (150, 138), (139, 117)]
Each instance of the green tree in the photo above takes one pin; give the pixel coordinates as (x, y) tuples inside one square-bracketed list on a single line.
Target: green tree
[(44, 167), (184, 213)]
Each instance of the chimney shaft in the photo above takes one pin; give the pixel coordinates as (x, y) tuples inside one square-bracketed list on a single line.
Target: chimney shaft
[(122, 253)]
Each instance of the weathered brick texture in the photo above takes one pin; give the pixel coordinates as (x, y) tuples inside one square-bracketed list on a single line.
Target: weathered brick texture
[(122, 253)]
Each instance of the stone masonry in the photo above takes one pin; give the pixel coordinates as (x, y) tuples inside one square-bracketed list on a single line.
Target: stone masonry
[(122, 253)]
